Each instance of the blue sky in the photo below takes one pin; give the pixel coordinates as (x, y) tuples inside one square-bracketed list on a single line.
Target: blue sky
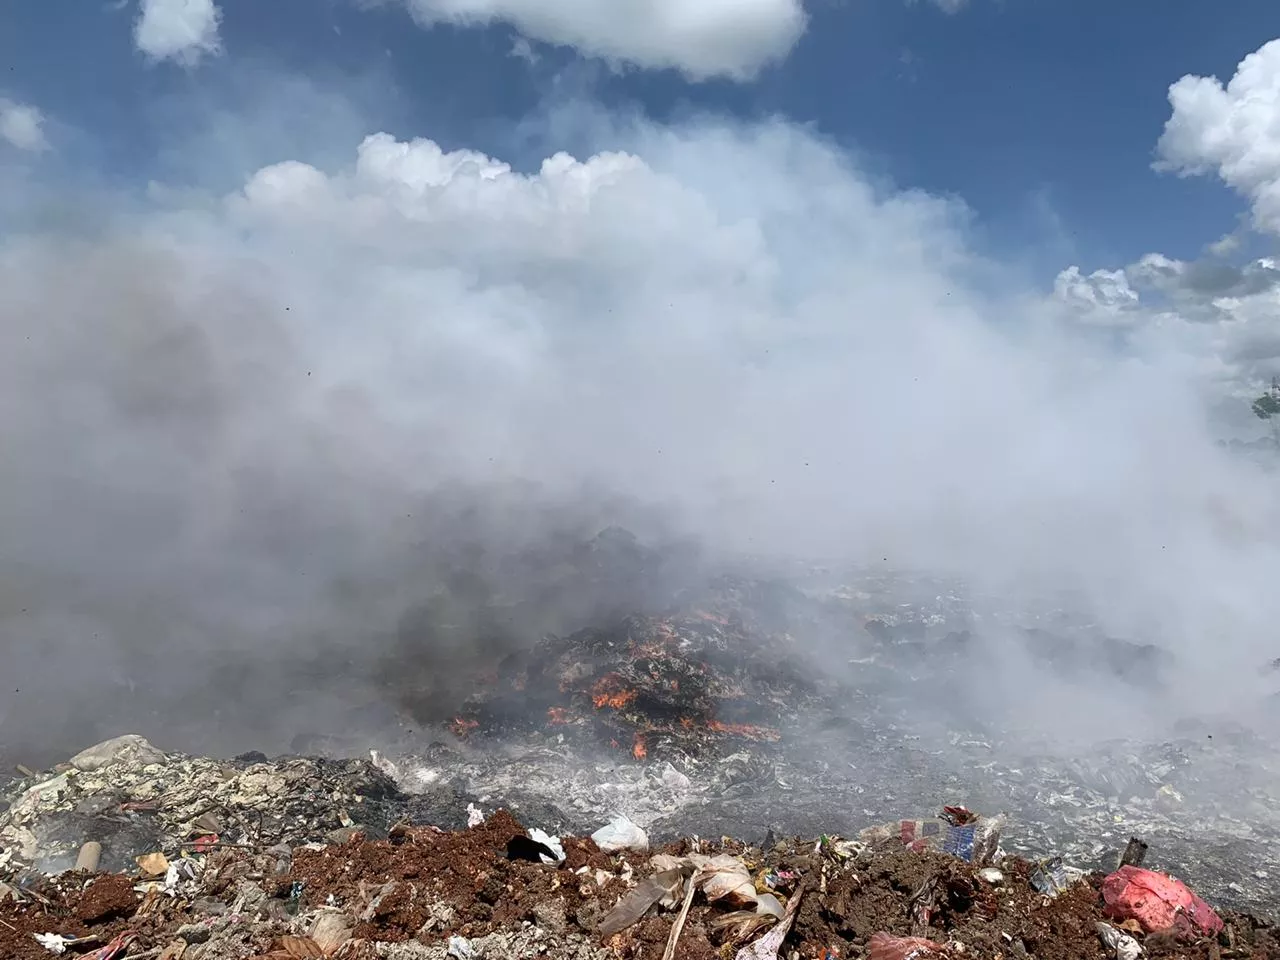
[(1041, 114)]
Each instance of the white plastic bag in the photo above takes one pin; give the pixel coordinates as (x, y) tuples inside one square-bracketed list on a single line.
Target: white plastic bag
[(548, 841), (621, 834)]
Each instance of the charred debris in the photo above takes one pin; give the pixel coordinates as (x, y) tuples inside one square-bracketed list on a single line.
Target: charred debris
[(649, 664)]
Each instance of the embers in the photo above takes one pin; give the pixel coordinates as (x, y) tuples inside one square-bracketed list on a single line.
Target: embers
[(462, 727), (612, 691), (747, 730), (694, 682)]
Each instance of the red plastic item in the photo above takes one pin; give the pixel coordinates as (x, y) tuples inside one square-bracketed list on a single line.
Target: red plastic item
[(1157, 902), (884, 946), (114, 949)]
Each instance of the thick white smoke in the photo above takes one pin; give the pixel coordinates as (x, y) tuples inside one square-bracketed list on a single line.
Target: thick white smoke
[(223, 413)]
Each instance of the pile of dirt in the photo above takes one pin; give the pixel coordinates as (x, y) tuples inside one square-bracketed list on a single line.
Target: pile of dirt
[(491, 892)]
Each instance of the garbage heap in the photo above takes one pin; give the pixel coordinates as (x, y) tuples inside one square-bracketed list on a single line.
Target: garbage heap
[(132, 798), (938, 887), (699, 681)]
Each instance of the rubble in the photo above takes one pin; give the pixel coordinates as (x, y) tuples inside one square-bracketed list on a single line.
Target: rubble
[(512, 831), (299, 888), (124, 798), (708, 716)]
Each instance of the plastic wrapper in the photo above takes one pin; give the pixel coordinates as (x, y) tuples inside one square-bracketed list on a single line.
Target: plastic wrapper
[(1121, 945), (958, 833), (767, 947), (721, 878), (1052, 876), (884, 946)]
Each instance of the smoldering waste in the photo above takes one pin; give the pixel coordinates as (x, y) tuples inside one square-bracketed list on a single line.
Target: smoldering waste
[(296, 858)]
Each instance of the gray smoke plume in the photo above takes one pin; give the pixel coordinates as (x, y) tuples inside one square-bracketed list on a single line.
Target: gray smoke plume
[(260, 444)]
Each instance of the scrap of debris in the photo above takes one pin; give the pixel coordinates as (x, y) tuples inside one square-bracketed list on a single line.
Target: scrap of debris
[(274, 884)]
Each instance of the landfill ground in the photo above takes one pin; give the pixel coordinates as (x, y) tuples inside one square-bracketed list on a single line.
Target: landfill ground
[(746, 709), (427, 893)]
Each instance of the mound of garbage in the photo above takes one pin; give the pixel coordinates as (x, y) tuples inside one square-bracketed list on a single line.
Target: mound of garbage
[(691, 683), (182, 858)]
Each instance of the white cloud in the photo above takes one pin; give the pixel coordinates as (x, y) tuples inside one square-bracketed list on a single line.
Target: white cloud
[(1103, 297), (1225, 245), (1232, 131), (702, 38), (22, 126), (1224, 313), (1223, 317), (184, 31)]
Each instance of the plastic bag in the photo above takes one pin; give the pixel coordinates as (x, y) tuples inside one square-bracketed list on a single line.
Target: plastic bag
[(1157, 902), (621, 834), (884, 946), (1122, 946), (548, 841)]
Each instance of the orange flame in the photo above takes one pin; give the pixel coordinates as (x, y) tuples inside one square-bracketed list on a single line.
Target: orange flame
[(558, 715), (610, 691), (461, 726), (640, 749)]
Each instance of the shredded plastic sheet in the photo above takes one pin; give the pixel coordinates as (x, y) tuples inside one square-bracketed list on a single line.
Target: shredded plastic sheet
[(1121, 945), (884, 946), (767, 947)]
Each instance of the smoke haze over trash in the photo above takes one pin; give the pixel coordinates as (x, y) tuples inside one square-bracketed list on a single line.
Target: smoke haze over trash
[(248, 427)]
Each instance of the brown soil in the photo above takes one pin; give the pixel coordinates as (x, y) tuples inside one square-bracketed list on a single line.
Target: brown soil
[(106, 898), (430, 884), (74, 905), (467, 870)]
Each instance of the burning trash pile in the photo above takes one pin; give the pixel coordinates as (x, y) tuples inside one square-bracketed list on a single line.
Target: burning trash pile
[(697, 682), (267, 877)]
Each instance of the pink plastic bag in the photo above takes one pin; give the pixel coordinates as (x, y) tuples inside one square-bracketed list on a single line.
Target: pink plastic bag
[(887, 947), (1157, 902)]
